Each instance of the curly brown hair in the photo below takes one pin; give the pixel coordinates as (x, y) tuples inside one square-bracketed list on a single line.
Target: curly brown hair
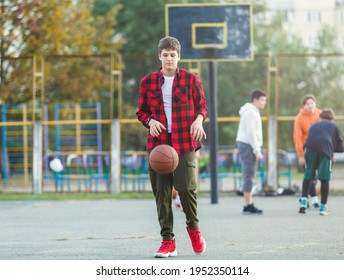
[(169, 42)]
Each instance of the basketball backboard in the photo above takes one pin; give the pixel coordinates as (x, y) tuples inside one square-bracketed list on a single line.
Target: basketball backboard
[(211, 31)]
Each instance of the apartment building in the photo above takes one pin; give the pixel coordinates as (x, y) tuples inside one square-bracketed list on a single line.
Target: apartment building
[(305, 18)]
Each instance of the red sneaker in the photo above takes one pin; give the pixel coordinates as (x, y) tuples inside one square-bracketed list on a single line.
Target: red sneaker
[(167, 249), (197, 240)]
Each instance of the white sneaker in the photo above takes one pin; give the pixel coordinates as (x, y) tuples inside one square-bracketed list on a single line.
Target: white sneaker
[(314, 203)]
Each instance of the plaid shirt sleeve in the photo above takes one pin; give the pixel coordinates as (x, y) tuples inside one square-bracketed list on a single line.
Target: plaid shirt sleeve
[(143, 112), (200, 101)]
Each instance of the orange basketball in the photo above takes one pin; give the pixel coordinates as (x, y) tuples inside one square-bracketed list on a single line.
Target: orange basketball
[(163, 159)]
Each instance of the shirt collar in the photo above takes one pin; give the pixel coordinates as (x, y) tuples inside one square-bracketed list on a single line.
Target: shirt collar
[(161, 75)]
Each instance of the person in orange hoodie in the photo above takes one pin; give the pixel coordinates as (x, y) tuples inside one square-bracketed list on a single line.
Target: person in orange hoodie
[(308, 115)]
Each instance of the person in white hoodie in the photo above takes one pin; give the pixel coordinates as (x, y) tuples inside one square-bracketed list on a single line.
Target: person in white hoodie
[(250, 140)]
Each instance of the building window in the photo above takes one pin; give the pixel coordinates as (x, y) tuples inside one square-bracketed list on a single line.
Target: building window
[(288, 16), (342, 17), (313, 42), (314, 17), (290, 38)]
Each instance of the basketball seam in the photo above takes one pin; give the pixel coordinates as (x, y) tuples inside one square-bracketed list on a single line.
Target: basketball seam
[(171, 168)]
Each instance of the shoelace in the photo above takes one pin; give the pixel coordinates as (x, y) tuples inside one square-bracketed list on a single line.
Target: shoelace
[(165, 244), (195, 235)]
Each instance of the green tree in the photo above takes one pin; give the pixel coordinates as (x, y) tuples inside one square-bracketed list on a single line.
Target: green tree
[(33, 27), (303, 70), (72, 41), (325, 79)]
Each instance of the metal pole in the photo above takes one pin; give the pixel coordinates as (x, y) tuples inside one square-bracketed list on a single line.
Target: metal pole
[(4, 145), (115, 156), (2, 44), (37, 157), (57, 128), (99, 138), (272, 164), (272, 158), (213, 139)]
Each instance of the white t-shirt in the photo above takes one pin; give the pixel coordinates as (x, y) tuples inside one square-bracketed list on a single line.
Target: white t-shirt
[(167, 96)]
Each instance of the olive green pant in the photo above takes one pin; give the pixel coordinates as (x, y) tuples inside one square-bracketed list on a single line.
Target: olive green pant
[(184, 181)]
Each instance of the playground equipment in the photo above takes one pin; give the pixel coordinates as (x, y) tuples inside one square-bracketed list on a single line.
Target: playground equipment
[(134, 173), (78, 146), (80, 139), (16, 141)]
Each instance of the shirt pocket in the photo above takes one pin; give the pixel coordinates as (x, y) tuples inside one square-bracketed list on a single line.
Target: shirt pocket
[(181, 95)]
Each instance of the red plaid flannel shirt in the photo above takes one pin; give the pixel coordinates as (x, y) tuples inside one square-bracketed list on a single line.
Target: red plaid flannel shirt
[(188, 101)]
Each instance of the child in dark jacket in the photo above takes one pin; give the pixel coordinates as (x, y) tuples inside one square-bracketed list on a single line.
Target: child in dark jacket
[(323, 140)]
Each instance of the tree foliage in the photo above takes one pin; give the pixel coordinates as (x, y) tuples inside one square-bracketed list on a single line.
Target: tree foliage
[(37, 27)]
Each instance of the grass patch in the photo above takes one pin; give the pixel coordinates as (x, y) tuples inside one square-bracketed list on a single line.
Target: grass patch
[(336, 192), (74, 196), (99, 196)]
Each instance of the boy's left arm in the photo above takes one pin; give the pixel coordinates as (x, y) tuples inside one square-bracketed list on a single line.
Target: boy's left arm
[(340, 147), (340, 144)]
